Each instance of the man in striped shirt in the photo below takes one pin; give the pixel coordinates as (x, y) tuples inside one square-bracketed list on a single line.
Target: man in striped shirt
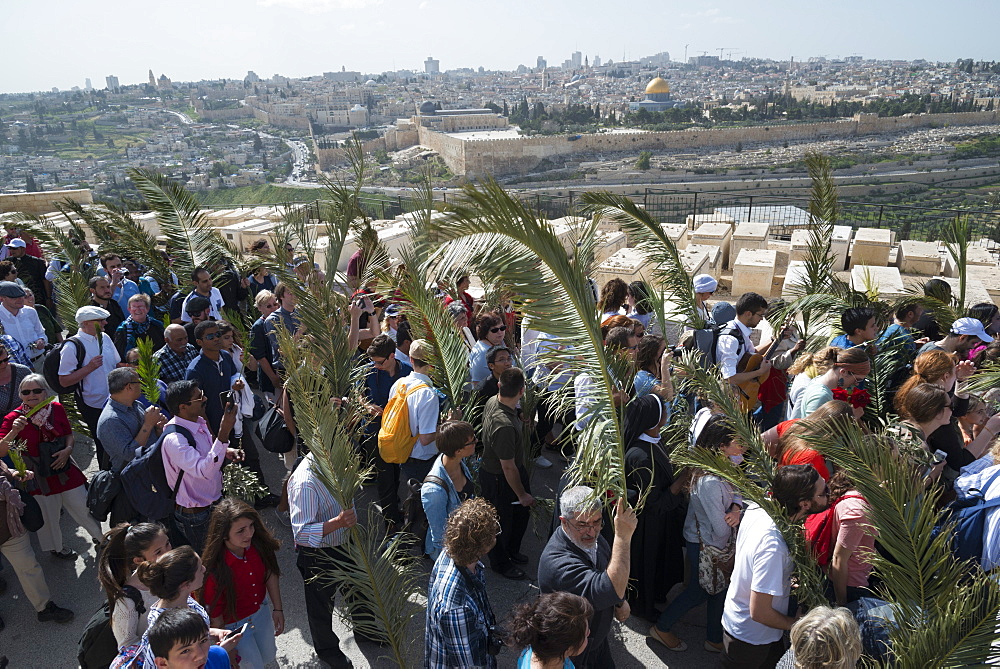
[(319, 528)]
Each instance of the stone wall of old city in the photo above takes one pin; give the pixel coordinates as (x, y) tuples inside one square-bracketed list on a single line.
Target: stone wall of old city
[(42, 203)]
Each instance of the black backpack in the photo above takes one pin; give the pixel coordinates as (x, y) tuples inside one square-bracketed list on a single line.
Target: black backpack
[(98, 647), (414, 517), (706, 341), (50, 365), (144, 480)]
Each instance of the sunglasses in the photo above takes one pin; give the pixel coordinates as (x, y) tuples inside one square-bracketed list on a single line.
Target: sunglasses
[(502, 328), (32, 391), (211, 336), (201, 398)]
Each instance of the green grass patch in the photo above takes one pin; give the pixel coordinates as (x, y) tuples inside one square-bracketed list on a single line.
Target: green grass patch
[(252, 195)]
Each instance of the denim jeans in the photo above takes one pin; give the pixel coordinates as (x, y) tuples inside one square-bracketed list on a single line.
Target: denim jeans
[(257, 647), (693, 595), (193, 527)]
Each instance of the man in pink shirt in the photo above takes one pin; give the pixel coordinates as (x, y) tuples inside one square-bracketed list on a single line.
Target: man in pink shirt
[(198, 460)]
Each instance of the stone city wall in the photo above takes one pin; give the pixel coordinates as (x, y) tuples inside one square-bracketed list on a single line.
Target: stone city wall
[(476, 158), (225, 114), (42, 203)]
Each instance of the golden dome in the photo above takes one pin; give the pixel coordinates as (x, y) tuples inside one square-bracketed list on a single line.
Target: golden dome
[(657, 85)]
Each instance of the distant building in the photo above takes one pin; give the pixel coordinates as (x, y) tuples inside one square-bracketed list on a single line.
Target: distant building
[(163, 83), (597, 61), (658, 98), (432, 66), (112, 83), (152, 79), (87, 85), (251, 77), (540, 64), (577, 59), (457, 120), (661, 59), (344, 76), (704, 61)]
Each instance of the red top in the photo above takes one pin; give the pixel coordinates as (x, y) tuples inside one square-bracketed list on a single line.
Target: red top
[(784, 425), (32, 435), (807, 456), (249, 579), (31, 245)]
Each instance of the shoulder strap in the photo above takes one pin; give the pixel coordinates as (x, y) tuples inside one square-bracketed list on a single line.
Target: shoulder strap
[(136, 597), (430, 478), (186, 433), (989, 482)]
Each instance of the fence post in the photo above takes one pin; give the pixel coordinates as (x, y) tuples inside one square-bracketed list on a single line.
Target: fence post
[(694, 211), (645, 199), (750, 209), (880, 209)]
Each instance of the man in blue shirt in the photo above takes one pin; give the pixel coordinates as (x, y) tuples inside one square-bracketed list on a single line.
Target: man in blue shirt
[(122, 288), (383, 371), (859, 325)]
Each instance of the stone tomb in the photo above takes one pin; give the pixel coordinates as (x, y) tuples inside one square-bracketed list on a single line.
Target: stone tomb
[(677, 233), (749, 236), (707, 259), (715, 234), (695, 221), (886, 280), (606, 244), (794, 276), (871, 247), (840, 244), (626, 264), (919, 258), (753, 271), (988, 277), (799, 249)]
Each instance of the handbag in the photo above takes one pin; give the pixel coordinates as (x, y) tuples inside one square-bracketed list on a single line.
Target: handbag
[(31, 517), (715, 565), (43, 463), (273, 433)]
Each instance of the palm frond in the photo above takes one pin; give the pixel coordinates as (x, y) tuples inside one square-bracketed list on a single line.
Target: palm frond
[(753, 479), (946, 610), (670, 277), (148, 370), (956, 240), (491, 228), (194, 242)]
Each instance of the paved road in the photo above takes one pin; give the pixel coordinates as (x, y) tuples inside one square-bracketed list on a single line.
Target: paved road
[(29, 644)]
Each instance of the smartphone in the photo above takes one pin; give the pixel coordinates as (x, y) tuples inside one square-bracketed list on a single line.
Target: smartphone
[(226, 397), (939, 457), (239, 630)]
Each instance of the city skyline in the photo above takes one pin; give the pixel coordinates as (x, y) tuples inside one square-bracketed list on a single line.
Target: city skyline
[(214, 39)]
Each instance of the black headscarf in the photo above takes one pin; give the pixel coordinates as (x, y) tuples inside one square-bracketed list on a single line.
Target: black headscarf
[(641, 414)]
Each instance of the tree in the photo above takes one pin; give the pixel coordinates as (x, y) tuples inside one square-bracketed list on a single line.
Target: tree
[(30, 185), (258, 145), (643, 162)]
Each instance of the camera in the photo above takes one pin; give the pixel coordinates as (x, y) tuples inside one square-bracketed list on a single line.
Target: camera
[(494, 640)]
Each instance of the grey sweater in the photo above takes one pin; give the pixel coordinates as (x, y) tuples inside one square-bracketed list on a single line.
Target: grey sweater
[(710, 498)]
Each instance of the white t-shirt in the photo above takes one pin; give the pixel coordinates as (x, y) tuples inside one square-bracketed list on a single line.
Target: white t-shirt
[(728, 350), (424, 408), (95, 384), (215, 310), (762, 565)]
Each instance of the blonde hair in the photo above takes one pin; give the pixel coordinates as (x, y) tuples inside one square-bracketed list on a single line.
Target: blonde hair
[(814, 364), (826, 638)]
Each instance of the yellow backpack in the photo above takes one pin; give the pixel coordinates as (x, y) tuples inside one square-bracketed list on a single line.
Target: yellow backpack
[(395, 438)]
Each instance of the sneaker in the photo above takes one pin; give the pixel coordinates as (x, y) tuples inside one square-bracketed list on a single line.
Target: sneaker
[(713, 647), (543, 462), (51, 612), (668, 639), (64, 554)]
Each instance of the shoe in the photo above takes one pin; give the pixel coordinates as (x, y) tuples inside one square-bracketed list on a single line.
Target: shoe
[(64, 554), (519, 558), (51, 612), (268, 501), (668, 639), (284, 518), (713, 647), (513, 573), (543, 462)]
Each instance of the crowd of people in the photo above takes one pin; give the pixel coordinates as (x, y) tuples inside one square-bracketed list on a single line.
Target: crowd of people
[(200, 579)]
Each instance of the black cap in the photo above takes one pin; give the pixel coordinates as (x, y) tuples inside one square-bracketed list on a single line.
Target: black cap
[(197, 304)]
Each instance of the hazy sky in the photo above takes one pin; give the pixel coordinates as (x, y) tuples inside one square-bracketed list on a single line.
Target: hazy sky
[(46, 43)]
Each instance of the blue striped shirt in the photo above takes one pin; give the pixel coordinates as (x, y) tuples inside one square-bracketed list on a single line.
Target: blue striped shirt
[(310, 505)]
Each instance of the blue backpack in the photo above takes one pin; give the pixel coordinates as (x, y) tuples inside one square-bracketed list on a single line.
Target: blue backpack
[(967, 517), (144, 480)]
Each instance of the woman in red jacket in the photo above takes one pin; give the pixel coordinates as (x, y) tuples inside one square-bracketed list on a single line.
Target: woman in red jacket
[(58, 482)]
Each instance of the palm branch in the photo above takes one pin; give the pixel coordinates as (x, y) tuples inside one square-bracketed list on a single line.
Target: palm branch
[(670, 277), (148, 370), (491, 228), (956, 240), (945, 610), (753, 479), (193, 240), (379, 579)]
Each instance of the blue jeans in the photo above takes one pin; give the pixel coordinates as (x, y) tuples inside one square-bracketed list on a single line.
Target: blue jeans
[(693, 595), (193, 527), (257, 647)]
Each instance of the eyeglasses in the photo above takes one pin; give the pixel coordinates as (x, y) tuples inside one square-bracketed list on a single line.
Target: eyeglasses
[(502, 328), (201, 398), (584, 527), (379, 363), (32, 391), (210, 336)]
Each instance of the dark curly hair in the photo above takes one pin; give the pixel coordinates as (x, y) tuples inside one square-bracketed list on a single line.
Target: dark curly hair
[(552, 625)]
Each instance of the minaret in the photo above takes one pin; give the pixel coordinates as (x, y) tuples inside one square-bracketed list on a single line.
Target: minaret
[(152, 79)]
